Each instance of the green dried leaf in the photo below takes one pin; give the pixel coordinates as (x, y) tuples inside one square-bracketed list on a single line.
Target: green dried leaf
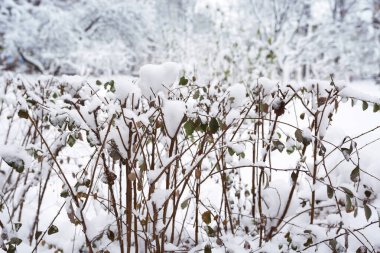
[(308, 242), (110, 86), (15, 162), (364, 105), (11, 249), (185, 203), (64, 194), (333, 243), (361, 249), (23, 114), (189, 127), (18, 225), (376, 107), (200, 126), (280, 109), (347, 191), (355, 174), (71, 140), (210, 232), (231, 151), (111, 235), (183, 81), (348, 204), (207, 249), (353, 102), (367, 193), (290, 150), (196, 94), (52, 230), (213, 125), (367, 211), (346, 153), (322, 150), (15, 241), (298, 135), (37, 235), (206, 217), (264, 107), (294, 177), (330, 192), (278, 145), (355, 212)]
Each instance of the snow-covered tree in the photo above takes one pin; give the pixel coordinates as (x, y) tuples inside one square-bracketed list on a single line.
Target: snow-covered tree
[(281, 39), (71, 37)]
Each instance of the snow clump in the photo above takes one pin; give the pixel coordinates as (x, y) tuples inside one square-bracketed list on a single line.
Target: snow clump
[(155, 78), (173, 114)]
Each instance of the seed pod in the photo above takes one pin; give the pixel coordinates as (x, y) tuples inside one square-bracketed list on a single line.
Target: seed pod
[(198, 173), (132, 176)]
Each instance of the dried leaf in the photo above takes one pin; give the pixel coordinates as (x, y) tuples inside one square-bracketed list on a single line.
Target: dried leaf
[(364, 105), (367, 211), (52, 230), (355, 174), (206, 217)]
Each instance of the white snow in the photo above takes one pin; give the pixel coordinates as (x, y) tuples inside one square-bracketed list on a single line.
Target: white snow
[(232, 116), (306, 133), (126, 87), (160, 196), (236, 93), (173, 111), (155, 78)]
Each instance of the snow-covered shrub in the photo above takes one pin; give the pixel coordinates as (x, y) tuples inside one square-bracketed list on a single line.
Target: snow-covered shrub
[(168, 163)]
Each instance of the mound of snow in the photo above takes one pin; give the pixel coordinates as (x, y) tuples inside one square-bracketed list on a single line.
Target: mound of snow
[(126, 87), (155, 78), (173, 114), (237, 93)]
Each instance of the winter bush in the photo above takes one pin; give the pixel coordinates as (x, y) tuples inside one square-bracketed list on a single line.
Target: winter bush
[(167, 163)]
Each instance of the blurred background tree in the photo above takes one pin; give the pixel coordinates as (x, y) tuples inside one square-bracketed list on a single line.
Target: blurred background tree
[(230, 40)]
